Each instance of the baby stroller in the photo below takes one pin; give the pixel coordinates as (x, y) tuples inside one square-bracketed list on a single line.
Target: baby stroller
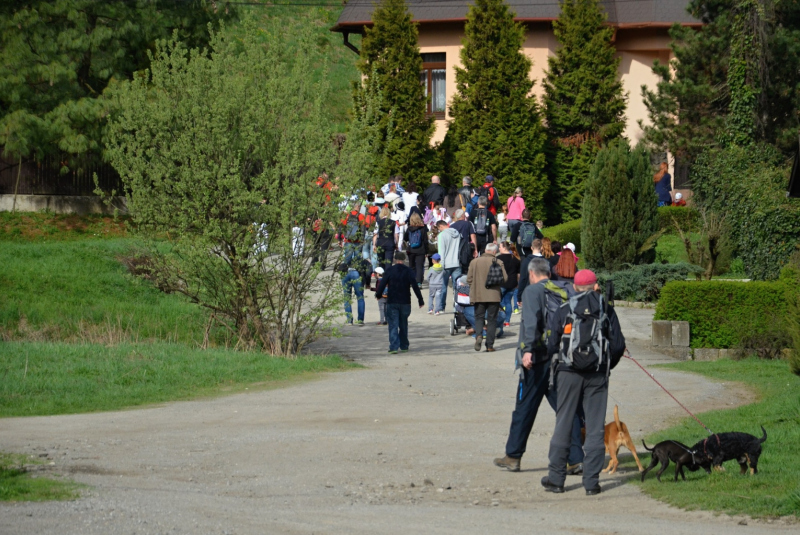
[(461, 300)]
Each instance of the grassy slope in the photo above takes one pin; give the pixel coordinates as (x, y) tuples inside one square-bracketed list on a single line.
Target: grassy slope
[(17, 485), (775, 490)]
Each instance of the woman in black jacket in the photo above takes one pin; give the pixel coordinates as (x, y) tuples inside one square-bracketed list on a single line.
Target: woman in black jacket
[(383, 242), (417, 246)]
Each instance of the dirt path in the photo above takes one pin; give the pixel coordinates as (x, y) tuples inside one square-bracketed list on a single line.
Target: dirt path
[(402, 446)]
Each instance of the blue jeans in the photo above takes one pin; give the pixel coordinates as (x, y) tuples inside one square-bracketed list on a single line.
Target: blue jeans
[(449, 273), (507, 296), (397, 316), (351, 282), (351, 250)]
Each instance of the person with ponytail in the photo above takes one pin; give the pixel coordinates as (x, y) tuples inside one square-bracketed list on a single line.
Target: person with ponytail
[(515, 204)]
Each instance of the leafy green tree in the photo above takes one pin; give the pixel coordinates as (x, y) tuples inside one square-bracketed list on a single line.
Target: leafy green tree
[(732, 81), (583, 102), (389, 51), (619, 207), (58, 56), (220, 153), (496, 128)]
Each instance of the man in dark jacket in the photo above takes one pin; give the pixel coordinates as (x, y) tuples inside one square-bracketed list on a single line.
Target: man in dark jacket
[(536, 252), (401, 280), (433, 194), (588, 387)]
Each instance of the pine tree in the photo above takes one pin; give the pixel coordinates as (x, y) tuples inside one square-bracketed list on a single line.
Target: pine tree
[(584, 103), (390, 51), (496, 128), (619, 207)]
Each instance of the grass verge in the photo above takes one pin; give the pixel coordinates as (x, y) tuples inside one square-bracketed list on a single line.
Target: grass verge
[(775, 490), (41, 227), (17, 484), (57, 378)]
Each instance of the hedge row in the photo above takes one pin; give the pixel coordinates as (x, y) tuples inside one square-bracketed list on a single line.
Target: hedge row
[(644, 282), (565, 233), (725, 314)]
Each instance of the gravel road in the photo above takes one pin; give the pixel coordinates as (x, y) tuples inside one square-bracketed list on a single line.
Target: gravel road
[(405, 445)]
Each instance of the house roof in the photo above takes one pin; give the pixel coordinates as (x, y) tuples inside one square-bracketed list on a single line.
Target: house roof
[(621, 13)]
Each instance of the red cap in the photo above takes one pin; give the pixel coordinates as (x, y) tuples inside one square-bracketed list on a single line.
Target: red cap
[(585, 277)]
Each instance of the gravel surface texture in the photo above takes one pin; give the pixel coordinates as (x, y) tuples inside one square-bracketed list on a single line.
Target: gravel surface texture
[(405, 445)]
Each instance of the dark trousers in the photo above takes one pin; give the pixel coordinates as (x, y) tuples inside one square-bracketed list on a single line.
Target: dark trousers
[(397, 316), (482, 241), (322, 244), (417, 263), (533, 387), (487, 312), (591, 391), (385, 255), (513, 229)]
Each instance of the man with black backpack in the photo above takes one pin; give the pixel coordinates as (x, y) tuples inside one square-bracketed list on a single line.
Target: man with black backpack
[(585, 343), (485, 225), (528, 231), (542, 299)]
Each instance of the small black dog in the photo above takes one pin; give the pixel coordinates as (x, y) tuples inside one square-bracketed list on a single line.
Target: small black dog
[(680, 454), (721, 447)]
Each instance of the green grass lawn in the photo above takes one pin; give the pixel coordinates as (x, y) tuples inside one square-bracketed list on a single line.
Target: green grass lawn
[(17, 484), (775, 490), (59, 378)]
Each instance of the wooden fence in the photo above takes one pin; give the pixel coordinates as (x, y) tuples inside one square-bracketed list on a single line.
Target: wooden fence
[(58, 175)]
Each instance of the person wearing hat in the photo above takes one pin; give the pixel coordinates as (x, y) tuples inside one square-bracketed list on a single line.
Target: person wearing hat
[(576, 384), (679, 200), (382, 297), (435, 285)]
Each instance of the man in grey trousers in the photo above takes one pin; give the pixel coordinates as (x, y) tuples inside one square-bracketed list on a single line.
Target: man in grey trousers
[(572, 386)]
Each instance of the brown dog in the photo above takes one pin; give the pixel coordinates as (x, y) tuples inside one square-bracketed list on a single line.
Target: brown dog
[(617, 436)]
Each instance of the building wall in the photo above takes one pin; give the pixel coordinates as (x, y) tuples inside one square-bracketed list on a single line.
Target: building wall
[(637, 48)]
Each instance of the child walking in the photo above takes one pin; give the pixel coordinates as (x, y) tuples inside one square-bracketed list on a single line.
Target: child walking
[(435, 285), (382, 300)]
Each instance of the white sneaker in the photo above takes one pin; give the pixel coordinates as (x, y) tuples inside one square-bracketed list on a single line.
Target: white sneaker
[(430, 312)]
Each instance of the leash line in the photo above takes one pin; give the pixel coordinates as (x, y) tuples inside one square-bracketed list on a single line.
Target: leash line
[(628, 356)]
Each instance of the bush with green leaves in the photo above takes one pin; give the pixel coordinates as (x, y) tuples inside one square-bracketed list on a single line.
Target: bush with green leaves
[(565, 233), (748, 187), (687, 217), (644, 282), (790, 276), (728, 314), (220, 152), (619, 208)]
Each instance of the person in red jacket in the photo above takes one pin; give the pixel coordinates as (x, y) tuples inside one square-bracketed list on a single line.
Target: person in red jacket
[(491, 194)]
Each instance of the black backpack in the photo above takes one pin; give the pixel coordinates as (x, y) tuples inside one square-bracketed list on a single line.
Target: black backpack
[(527, 233), (495, 275), (464, 252), (584, 342), (481, 221)]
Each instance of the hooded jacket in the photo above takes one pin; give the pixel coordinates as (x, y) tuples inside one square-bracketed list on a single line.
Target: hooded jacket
[(448, 242)]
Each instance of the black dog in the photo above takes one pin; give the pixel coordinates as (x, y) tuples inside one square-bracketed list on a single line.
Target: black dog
[(743, 447), (680, 454)]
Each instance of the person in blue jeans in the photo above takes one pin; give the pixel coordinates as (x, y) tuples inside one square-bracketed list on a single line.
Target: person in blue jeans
[(400, 280), (351, 283)]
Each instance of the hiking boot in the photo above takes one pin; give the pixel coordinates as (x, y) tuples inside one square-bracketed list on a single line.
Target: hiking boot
[(594, 491), (509, 463), (574, 469), (490, 350), (478, 342), (551, 487)]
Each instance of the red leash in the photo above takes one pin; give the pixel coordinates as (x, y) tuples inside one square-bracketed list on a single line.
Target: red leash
[(628, 355)]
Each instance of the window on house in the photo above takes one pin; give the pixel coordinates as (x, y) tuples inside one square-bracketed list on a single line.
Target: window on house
[(432, 77)]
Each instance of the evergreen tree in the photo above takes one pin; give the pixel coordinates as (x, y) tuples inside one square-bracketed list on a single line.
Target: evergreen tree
[(584, 103), (496, 128), (619, 207), (58, 56), (389, 51)]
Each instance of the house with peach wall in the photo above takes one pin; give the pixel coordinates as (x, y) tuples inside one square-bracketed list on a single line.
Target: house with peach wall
[(641, 36)]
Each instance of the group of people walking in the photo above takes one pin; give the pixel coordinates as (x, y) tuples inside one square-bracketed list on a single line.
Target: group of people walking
[(497, 262)]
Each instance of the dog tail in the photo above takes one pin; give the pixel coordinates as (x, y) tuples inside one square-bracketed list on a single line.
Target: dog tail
[(616, 417), (645, 446), (763, 438)]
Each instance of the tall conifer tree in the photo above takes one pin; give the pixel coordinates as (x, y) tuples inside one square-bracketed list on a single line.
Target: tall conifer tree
[(584, 103), (390, 51), (497, 126), (619, 207)]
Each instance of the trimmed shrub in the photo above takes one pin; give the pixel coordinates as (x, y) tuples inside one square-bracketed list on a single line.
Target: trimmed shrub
[(644, 282), (790, 276), (726, 314), (565, 233), (687, 218)]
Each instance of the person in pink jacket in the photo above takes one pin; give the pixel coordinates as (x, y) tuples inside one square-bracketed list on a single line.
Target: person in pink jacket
[(515, 207)]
